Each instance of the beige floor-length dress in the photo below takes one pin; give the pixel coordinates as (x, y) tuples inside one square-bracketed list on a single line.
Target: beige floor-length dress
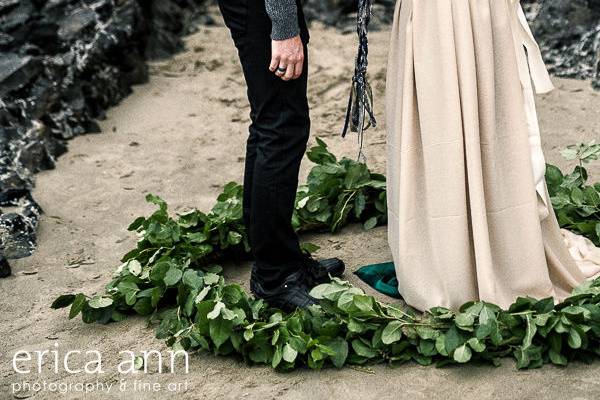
[(469, 212)]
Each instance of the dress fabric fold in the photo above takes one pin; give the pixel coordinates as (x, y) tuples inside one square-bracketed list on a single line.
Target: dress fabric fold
[(469, 212)]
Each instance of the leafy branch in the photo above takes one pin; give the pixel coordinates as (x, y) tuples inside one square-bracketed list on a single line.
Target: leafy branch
[(576, 204), (171, 276), (339, 192)]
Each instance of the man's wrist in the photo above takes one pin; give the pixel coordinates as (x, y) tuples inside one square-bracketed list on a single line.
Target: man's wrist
[(284, 32)]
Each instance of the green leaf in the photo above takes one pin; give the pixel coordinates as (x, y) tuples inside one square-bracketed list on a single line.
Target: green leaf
[(138, 222), (275, 337), (118, 316), (192, 279), (476, 345), (542, 319), (453, 339), (319, 153), (298, 344), (363, 303), (130, 298), (557, 358), (544, 306), (63, 301), (197, 237), (577, 196), (487, 322), (370, 223), (134, 267), (576, 313), (172, 276), (427, 348), (317, 355), (289, 353), (570, 153), (362, 349), (138, 363), (340, 349), (554, 177), (234, 238), (211, 278), (260, 353), (127, 286), (327, 291), (143, 306), (129, 290), (440, 345), (462, 354), (442, 313), (574, 339), (248, 334), (100, 302), (522, 357), (426, 332), (359, 204), (216, 310), (310, 248), (155, 296), (159, 270), (392, 332), (276, 357), (220, 331), (465, 320), (77, 305)]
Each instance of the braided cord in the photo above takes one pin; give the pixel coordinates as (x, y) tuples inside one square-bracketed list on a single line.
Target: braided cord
[(359, 112)]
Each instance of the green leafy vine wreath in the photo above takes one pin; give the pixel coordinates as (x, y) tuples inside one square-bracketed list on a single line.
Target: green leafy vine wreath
[(172, 276)]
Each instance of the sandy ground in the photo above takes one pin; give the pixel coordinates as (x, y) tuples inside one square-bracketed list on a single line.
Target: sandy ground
[(182, 136)]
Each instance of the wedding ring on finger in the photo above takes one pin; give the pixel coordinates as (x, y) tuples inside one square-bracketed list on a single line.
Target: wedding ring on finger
[(281, 70)]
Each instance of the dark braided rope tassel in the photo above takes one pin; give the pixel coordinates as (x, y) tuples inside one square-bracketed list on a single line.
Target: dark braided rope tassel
[(359, 113)]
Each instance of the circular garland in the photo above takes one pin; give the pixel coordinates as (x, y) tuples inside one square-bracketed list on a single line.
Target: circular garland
[(171, 276)]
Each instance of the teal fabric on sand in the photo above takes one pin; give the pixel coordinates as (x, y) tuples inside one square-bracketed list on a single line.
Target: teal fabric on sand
[(381, 277)]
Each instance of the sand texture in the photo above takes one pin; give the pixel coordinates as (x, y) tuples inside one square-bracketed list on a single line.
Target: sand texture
[(182, 136)]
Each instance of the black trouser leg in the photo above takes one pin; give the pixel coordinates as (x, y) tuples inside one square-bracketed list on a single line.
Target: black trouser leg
[(251, 144), (276, 144)]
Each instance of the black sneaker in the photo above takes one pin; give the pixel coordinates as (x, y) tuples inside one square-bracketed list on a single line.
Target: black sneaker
[(319, 272), (290, 295)]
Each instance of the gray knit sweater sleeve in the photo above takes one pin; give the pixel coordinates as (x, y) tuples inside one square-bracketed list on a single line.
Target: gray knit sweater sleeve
[(284, 18)]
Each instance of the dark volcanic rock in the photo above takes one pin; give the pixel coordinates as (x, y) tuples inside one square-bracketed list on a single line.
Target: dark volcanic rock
[(342, 13), (76, 23), (569, 34), (17, 229), (568, 30), (62, 64), (4, 267), (17, 71)]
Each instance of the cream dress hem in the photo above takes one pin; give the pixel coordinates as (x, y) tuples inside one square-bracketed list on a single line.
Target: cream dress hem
[(469, 212)]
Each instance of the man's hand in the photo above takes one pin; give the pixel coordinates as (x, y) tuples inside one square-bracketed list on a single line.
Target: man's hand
[(287, 58)]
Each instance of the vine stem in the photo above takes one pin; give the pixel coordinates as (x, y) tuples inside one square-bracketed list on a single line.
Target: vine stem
[(334, 226)]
